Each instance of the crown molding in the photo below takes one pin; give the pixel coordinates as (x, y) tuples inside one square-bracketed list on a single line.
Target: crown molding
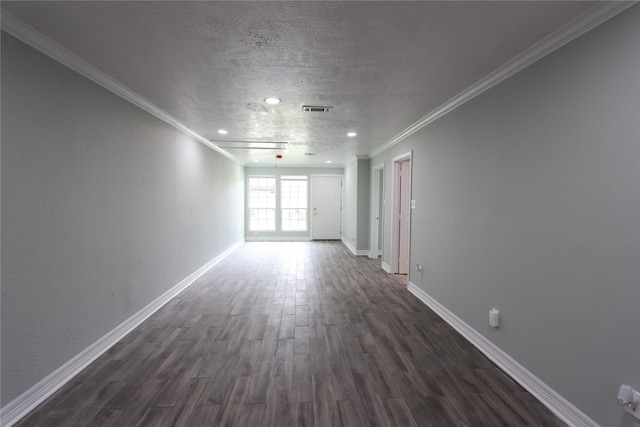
[(30, 36), (586, 21)]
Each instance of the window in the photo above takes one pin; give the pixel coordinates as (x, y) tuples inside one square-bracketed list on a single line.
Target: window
[(262, 203), (293, 201)]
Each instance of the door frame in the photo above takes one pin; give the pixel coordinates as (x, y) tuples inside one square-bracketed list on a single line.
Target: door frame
[(312, 195), (377, 214), (395, 203)]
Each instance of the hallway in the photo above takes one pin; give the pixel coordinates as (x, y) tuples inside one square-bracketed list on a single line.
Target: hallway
[(292, 334)]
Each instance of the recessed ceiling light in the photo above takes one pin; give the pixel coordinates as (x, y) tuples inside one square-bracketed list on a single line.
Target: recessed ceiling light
[(352, 134), (272, 101), (328, 161), (222, 132)]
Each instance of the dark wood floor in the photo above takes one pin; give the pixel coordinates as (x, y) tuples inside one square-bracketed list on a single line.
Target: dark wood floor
[(293, 334)]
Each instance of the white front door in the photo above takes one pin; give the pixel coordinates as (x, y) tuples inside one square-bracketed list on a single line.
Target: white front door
[(326, 209)]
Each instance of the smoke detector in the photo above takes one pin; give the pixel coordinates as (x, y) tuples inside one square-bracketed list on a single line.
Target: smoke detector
[(316, 109)]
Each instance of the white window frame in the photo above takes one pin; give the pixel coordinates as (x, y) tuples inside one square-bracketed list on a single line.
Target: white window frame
[(268, 212), (300, 207)]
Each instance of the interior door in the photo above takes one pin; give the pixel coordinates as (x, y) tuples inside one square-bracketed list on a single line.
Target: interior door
[(326, 212), (404, 216)]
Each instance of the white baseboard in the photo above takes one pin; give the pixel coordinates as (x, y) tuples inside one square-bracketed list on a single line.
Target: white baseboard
[(386, 267), (349, 246), (561, 407), (277, 238), (27, 401), (353, 249)]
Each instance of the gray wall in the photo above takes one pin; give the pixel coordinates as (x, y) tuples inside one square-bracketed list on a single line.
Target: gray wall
[(104, 208), (356, 204), (350, 204), (363, 218), (528, 200)]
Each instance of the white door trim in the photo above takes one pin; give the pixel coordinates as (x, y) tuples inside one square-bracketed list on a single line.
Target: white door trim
[(375, 210), (394, 211)]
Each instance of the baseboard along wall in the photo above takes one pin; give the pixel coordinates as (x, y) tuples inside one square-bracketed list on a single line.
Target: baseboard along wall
[(27, 401), (557, 404)]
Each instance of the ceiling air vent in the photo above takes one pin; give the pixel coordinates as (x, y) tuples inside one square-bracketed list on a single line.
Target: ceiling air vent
[(316, 109)]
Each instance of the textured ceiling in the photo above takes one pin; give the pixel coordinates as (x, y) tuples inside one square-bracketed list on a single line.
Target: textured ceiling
[(381, 65)]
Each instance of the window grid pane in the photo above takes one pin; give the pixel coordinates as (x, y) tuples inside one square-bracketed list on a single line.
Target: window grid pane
[(262, 203), (293, 201)]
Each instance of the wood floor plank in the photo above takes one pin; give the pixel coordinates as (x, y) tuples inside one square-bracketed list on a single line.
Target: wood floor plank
[(325, 402), (352, 413), (233, 404), (283, 363), (372, 402), (306, 335), (389, 354), (202, 415), (277, 410), (301, 415), (302, 386), (287, 327), (136, 408), (400, 413)]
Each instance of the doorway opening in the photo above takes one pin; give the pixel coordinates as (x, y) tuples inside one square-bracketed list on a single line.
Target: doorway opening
[(401, 214)]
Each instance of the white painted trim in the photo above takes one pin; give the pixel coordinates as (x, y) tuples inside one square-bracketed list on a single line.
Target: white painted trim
[(586, 21), (386, 267), (277, 238), (356, 252), (395, 207), (349, 246), (27, 401), (39, 41), (561, 407), (376, 217)]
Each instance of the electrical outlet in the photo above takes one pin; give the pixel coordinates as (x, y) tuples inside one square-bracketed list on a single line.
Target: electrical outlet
[(630, 400), (494, 318), (635, 409)]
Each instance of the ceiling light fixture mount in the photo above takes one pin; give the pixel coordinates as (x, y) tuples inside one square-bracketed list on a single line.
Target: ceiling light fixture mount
[(255, 145), (272, 100), (316, 109)]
